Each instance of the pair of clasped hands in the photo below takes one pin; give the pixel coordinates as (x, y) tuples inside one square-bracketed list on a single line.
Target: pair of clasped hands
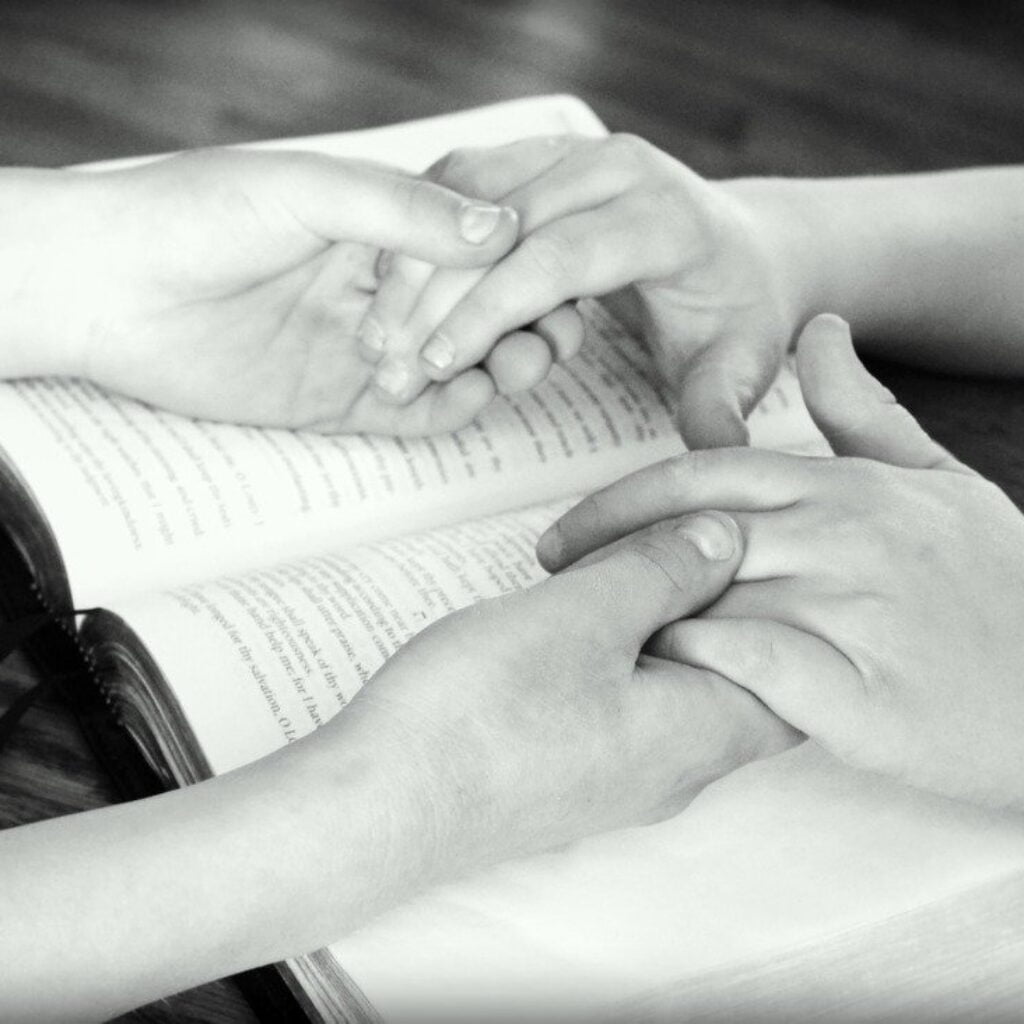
[(705, 611)]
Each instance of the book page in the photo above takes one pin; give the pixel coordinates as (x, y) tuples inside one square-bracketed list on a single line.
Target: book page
[(773, 859), (141, 499), (781, 855), (259, 660)]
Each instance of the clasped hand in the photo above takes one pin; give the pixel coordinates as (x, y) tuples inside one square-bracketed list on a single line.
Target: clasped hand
[(229, 285), (688, 263), (880, 590), (879, 605), (530, 720)]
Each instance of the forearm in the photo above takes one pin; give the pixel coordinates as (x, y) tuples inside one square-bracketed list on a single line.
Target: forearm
[(110, 909), (927, 268), (51, 256)]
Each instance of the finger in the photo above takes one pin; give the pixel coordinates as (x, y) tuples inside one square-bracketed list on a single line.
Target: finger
[(409, 307), (494, 171), (398, 290), (778, 560), (582, 255), (857, 414), (564, 331), (400, 375), (737, 479), (717, 389), (802, 678), (548, 177), (342, 200), (668, 571), (518, 362), (487, 173), (799, 597), (440, 409), (725, 726), (592, 173)]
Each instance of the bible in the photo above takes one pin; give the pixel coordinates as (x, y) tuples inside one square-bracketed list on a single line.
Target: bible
[(245, 583)]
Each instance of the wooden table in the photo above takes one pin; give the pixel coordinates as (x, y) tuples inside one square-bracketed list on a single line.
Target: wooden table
[(808, 88)]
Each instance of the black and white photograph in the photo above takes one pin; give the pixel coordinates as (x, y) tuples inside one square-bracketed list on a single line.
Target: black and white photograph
[(511, 512)]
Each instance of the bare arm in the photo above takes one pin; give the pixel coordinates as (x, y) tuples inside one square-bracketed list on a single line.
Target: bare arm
[(459, 753), (720, 276), (928, 268)]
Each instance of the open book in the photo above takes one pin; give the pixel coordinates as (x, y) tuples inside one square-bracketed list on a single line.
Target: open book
[(252, 580)]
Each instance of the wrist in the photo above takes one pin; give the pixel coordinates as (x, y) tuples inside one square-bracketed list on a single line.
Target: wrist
[(787, 225), (379, 817)]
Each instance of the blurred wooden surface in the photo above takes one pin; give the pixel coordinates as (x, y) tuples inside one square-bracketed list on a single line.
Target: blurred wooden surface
[(809, 87)]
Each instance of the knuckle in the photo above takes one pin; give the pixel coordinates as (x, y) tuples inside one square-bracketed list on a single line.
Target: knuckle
[(864, 540), (474, 324), (322, 314), (413, 196), (869, 482), (551, 254), (683, 472), (879, 687), (653, 553), (672, 474)]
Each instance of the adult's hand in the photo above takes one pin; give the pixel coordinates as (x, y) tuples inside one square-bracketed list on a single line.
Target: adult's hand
[(880, 603), (690, 264), (230, 284)]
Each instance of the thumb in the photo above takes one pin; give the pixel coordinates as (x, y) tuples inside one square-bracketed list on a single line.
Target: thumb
[(673, 569), (857, 414), (717, 389), (345, 200)]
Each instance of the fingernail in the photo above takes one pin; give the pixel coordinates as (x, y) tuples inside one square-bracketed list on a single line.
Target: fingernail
[(383, 264), (372, 339), (392, 377), (834, 322), (439, 352), (710, 535), (478, 221)]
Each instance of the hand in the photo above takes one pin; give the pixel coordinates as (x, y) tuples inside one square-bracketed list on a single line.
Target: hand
[(879, 605), (510, 727), (531, 720), (688, 263), (229, 284)]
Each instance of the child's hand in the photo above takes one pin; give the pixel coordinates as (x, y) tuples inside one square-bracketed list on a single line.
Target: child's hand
[(230, 284), (880, 604), (532, 719), (598, 216)]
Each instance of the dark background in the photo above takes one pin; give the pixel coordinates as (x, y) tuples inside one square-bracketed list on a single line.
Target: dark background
[(804, 88)]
